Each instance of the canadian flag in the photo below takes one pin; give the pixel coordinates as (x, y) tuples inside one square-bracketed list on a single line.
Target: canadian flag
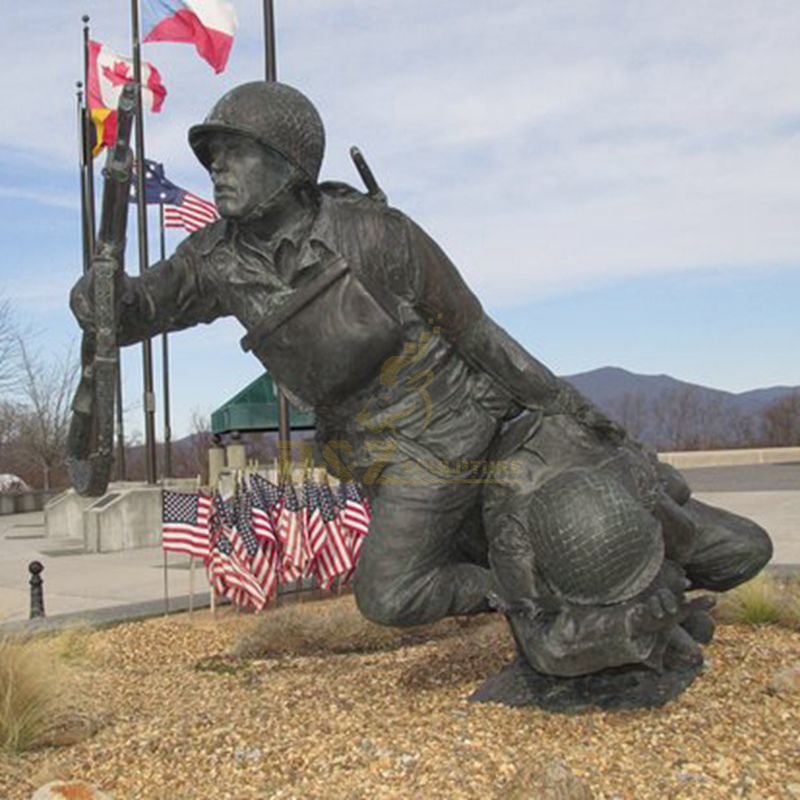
[(108, 73)]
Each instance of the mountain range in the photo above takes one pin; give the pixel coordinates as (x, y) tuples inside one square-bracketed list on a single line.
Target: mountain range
[(668, 412)]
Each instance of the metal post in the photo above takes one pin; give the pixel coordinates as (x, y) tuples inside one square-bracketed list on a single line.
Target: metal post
[(147, 350), (269, 41), (87, 142), (87, 255), (37, 594), (271, 74), (165, 361)]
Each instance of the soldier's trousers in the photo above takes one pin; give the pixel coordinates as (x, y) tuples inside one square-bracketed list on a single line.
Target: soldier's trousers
[(425, 555)]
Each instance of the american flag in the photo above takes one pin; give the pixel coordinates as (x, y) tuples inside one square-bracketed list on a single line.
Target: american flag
[(335, 557), (229, 570), (262, 564), (190, 213), (266, 504), (291, 535), (185, 523), (182, 209), (316, 530), (355, 516), (231, 577), (355, 512)]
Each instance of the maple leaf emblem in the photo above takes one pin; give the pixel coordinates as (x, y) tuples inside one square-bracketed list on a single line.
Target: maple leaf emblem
[(119, 74)]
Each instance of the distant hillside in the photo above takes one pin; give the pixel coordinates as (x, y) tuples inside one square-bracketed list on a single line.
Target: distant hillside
[(671, 413)]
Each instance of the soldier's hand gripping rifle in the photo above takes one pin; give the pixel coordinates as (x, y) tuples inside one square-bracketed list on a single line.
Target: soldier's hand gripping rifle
[(90, 442)]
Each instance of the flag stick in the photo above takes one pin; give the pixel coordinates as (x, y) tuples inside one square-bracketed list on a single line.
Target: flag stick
[(271, 74), (191, 584), (165, 360), (166, 585), (147, 350)]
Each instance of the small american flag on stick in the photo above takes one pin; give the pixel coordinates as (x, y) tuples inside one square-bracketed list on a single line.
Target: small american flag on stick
[(185, 523)]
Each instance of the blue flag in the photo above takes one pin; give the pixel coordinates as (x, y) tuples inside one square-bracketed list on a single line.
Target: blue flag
[(157, 189)]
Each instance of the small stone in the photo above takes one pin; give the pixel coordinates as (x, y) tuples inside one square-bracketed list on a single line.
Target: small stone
[(793, 789), (69, 790), (785, 681), (70, 729), (553, 782)]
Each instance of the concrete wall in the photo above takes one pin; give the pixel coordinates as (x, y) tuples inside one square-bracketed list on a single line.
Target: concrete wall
[(21, 502), (726, 458), (126, 517), (125, 520)]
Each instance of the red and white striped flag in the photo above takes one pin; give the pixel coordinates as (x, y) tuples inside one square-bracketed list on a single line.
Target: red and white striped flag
[(291, 535), (229, 567), (185, 523), (330, 555), (354, 516), (191, 213)]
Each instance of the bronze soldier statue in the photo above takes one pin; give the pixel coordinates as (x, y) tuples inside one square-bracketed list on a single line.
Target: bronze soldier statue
[(359, 315)]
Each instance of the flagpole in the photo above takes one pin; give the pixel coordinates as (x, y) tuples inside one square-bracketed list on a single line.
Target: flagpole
[(87, 257), (88, 158), (271, 74), (147, 350), (165, 359), (270, 68)]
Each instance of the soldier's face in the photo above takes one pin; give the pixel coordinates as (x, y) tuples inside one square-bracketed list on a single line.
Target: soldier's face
[(245, 174)]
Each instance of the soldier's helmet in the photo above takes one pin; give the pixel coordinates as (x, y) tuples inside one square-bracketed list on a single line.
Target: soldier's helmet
[(593, 542), (275, 115)]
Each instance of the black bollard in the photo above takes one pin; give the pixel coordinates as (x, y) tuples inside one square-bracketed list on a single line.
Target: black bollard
[(37, 594)]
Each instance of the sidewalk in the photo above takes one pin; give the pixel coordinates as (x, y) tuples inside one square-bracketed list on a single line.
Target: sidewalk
[(131, 583), (78, 582)]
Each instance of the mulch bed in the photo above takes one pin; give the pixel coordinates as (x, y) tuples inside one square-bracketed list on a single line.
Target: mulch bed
[(181, 723)]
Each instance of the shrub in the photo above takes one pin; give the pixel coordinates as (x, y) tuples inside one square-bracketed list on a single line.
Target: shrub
[(764, 600), (31, 691)]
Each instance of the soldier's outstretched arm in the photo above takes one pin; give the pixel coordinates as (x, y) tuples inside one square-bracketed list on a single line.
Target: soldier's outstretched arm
[(442, 296), (171, 295)]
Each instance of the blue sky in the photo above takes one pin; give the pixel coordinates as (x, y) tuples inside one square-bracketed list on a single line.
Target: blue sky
[(617, 180)]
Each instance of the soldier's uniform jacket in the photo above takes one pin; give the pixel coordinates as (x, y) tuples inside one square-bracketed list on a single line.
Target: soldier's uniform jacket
[(356, 313)]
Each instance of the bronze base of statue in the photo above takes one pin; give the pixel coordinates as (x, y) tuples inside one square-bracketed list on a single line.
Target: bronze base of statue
[(620, 688)]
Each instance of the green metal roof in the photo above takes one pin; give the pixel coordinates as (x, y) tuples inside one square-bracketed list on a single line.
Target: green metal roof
[(255, 408)]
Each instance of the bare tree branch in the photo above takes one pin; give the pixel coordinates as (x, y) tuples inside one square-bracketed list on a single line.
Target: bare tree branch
[(8, 350), (47, 391)]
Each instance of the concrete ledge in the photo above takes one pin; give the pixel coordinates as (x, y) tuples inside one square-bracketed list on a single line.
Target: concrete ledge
[(726, 458), (23, 502)]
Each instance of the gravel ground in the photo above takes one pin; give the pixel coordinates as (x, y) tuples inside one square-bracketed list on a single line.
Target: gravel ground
[(396, 724)]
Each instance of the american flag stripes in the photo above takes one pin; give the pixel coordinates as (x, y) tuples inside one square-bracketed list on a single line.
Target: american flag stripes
[(185, 523), (265, 535), (231, 576), (335, 557), (189, 212), (261, 565), (290, 535), (355, 516)]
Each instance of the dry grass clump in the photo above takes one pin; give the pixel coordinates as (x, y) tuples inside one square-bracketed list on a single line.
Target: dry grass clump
[(31, 691), (765, 600), (334, 627)]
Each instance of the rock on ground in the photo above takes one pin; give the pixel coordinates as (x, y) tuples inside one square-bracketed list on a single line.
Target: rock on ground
[(69, 790)]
